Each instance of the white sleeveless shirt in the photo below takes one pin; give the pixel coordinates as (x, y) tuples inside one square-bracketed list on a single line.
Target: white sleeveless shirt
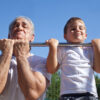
[(12, 90), (77, 75)]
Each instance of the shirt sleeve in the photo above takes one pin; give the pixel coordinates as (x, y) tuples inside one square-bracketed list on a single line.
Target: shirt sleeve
[(59, 55), (40, 66)]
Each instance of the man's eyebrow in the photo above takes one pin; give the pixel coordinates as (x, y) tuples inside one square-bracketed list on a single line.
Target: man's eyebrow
[(24, 22)]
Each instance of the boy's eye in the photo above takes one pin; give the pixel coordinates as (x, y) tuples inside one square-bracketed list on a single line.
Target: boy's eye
[(73, 29), (81, 28)]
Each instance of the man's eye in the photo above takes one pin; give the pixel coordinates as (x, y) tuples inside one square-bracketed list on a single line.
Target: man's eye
[(16, 25), (25, 26)]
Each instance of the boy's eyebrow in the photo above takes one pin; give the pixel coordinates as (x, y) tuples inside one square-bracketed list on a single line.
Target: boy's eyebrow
[(76, 25), (72, 26)]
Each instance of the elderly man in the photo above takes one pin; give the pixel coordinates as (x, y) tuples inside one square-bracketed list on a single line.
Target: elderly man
[(23, 75)]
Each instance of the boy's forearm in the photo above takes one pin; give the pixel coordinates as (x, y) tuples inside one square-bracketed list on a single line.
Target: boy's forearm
[(52, 62)]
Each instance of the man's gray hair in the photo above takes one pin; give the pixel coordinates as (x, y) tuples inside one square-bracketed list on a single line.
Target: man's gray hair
[(28, 19)]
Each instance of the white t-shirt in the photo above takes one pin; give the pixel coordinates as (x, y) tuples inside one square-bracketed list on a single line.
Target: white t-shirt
[(77, 75), (12, 90)]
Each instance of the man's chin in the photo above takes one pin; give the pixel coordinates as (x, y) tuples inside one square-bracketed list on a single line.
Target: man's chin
[(17, 38)]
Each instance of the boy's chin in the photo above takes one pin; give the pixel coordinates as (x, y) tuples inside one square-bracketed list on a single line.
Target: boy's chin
[(76, 41), (79, 40)]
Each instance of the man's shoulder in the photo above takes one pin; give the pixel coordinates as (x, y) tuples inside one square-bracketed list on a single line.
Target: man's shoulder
[(37, 59)]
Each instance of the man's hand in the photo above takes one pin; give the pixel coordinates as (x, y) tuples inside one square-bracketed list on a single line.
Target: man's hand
[(21, 48), (6, 46)]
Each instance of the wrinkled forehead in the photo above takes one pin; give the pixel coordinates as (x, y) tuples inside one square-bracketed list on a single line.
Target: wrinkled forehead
[(21, 20)]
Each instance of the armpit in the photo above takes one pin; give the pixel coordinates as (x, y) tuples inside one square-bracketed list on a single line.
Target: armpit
[(96, 47)]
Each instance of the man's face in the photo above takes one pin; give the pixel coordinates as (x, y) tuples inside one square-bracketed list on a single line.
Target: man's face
[(22, 29), (76, 32)]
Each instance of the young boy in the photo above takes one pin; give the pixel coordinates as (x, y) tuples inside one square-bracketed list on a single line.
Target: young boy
[(76, 63)]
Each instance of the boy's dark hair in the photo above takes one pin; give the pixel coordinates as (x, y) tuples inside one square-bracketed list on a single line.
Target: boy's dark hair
[(69, 21)]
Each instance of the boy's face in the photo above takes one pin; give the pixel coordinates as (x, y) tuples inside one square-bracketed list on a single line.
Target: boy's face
[(76, 32)]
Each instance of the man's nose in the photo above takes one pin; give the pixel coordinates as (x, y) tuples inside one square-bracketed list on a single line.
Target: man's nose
[(20, 27)]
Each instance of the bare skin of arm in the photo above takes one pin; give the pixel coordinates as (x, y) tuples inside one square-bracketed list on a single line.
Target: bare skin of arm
[(6, 46), (52, 63), (96, 47), (32, 83)]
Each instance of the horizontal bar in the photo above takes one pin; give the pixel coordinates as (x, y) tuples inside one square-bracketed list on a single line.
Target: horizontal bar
[(61, 44)]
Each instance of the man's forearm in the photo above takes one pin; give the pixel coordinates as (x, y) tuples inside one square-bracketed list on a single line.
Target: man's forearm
[(4, 68), (28, 80)]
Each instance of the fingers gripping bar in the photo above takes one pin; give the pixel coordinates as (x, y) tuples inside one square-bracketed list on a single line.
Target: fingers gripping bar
[(61, 44)]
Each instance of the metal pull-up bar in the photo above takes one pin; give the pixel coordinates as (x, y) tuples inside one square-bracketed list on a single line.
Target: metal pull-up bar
[(61, 44)]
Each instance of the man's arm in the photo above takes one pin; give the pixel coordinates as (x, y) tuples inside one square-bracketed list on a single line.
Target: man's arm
[(6, 46), (32, 83), (52, 62), (96, 47)]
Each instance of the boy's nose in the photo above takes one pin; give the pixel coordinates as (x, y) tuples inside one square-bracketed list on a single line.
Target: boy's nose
[(77, 29)]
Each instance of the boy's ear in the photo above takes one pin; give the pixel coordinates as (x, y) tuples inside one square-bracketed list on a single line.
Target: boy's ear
[(65, 36), (85, 35)]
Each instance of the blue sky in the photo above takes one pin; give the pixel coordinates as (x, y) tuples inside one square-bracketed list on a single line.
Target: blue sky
[(50, 16)]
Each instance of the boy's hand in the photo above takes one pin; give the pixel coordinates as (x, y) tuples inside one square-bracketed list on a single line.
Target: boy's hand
[(53, 43)]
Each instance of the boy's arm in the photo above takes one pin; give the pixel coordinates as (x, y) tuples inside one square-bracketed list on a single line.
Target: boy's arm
[(52, 62), (96, 47), (6, 46)]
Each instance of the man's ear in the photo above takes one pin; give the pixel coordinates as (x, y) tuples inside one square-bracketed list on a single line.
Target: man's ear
[(9, 36), (32, 38)]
